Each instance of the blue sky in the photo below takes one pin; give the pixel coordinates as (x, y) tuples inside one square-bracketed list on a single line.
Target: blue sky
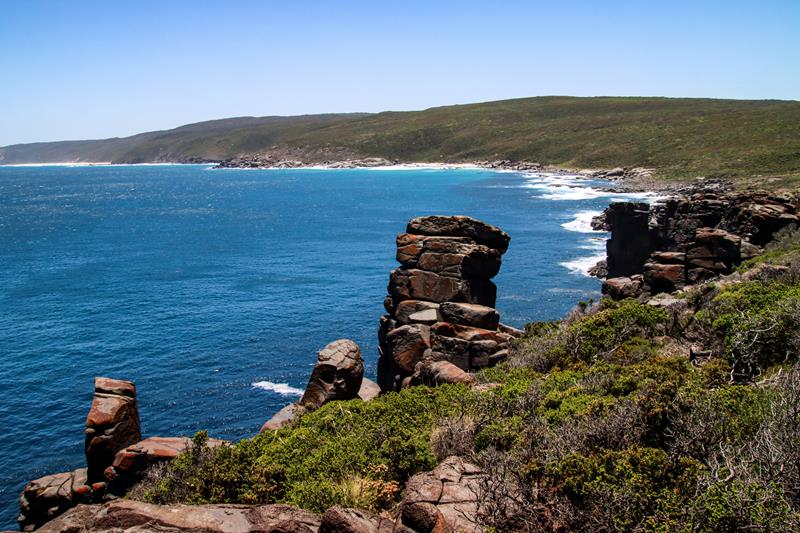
[(84, 69)]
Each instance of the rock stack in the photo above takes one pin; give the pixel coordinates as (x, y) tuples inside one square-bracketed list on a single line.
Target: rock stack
[(111, 425), (441, 300)]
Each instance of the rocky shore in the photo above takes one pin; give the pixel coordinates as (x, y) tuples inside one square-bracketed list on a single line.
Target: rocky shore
[(440, 327)]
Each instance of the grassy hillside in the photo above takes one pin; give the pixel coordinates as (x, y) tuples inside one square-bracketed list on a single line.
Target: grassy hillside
[(678, 137)]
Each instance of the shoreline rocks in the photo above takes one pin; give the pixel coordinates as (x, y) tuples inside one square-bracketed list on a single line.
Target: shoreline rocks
[(440, 306)]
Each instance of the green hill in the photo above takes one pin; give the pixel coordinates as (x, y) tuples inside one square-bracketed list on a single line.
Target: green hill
[(679, 137)]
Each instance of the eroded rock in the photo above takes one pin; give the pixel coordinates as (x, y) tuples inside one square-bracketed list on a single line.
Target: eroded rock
[(111, 425), (336, 376)]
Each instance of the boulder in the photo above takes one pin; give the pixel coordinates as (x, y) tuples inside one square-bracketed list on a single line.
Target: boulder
[(47, 497), (664, 277), (453, 489), (407, 308), (111, 425), (336, 376), (284, 417), (622, 287), (128, 516), (479, 316), (460, 226), (407, 344), (432, 373), (369, 390), (345, 520)]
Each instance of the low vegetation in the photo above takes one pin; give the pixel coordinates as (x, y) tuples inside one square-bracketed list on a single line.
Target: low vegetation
[(604, 421), (679, 137)]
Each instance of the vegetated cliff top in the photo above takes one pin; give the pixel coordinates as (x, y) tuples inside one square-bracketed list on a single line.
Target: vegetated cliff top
[(680, 137)]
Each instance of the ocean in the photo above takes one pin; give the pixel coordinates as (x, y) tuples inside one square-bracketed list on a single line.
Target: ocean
[(213, 289)]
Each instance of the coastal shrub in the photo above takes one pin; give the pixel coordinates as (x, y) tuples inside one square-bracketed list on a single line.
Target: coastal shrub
[(610, 330), (757, 325), (345, 452)]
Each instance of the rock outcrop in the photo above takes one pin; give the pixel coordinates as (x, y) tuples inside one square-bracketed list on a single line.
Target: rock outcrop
[(47, 497), (444, 499), (128, 516), (338, 375), (111, 425), (688, 239), (441, 300), (132, 462)]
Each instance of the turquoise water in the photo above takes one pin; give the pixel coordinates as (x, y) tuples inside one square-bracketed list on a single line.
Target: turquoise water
[(198, 284)]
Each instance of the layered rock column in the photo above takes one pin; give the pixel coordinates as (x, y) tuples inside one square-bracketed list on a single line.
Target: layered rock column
[(441, 300), (111, 425)]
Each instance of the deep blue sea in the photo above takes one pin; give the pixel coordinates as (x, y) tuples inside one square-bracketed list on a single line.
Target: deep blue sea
[(198, 283)]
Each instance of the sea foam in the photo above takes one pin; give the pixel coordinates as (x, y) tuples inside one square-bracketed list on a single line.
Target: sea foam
[(283, 389)]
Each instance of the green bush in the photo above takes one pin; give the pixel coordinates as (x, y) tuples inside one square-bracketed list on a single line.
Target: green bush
[(322, 460)]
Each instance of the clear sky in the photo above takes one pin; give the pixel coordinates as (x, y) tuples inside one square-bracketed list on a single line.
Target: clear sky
[(73, 69)]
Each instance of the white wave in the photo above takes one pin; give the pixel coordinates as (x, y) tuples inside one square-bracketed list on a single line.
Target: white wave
[(281, 388), (573, 187), (582, 223), (582, 265)]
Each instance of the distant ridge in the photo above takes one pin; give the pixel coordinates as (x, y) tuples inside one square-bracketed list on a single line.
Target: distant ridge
[(679, 137)]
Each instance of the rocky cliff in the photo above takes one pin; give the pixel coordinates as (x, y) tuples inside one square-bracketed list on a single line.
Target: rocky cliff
[(689, 238)]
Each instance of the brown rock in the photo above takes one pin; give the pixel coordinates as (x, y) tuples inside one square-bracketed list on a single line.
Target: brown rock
[(479, 316), (410, 307), (468, 333), (460, 226), (128, 516), (407, 344), (131, 463), (111, 425), (669, 258), (47, 497), (415, 284), (664, 277), (345, 520), (433, 373), (452, 488), (336, 376), (423, 517), (369, 390), (284, 417)]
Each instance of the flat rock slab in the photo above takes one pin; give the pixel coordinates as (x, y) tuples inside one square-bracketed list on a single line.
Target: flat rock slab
[(460, 226), (127, 516), (479, 316)]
